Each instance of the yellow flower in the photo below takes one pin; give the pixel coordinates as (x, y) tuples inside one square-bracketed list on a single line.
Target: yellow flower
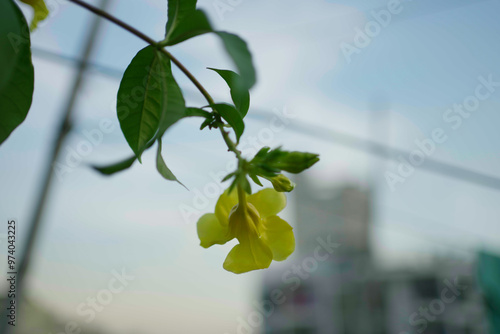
[(253, 220)]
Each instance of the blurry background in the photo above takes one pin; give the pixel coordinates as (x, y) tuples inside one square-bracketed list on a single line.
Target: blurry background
[(330, 82)]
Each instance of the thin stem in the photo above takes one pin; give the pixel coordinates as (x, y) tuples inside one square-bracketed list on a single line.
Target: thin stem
[(242, 197), (116, 21), (191, 77), (230, 144), (148, 40)]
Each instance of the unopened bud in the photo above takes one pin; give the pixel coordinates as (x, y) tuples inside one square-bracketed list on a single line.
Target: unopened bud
[(281, 183)]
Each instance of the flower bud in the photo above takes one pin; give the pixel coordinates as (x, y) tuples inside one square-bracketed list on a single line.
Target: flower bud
[(281, 183)]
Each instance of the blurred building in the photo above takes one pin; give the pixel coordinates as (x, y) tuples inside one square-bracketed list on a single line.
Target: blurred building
[(340, 289)]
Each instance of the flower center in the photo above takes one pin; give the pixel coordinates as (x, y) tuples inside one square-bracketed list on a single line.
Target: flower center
[(244, 221)]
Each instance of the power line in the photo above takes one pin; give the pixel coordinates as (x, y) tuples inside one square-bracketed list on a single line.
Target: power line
[(92, 66), (390, 153), (336, 137)]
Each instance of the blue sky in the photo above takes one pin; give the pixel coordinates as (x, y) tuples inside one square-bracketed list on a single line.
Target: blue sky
[(421, 63)]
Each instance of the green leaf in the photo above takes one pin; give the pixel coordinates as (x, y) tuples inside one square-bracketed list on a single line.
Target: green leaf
[(10, 32), (117, 167), (238, 51), (162, 168), (186, 23), (239, 94), (177, 11), (141, 101), (16, 69), (174, 105), (40, 12), (232, 117), (197, 112)]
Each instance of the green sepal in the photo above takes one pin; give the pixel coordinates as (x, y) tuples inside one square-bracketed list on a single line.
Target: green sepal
[(255, 179), (228, 176), (245, 184)]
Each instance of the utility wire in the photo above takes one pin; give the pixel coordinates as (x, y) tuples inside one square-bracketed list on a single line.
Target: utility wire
[(390, 153)]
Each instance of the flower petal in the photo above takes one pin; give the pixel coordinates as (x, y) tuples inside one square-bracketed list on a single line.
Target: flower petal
[(224, 205), (278, 235), (41, 12), (268, 202), (247, 256), (211, 232)]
